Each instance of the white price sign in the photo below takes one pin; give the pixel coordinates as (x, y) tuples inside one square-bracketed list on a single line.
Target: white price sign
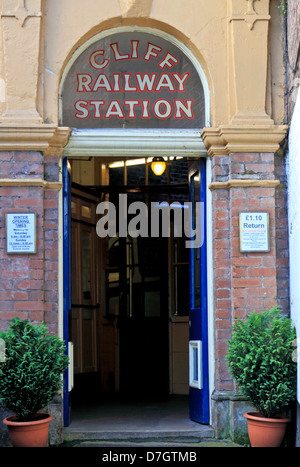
[(254, 232), (20, 232)]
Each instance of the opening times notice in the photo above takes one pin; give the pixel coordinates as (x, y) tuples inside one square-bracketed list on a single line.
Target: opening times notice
[(21, 232)]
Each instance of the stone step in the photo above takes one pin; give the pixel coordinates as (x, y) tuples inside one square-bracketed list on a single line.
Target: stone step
[(141, 437)]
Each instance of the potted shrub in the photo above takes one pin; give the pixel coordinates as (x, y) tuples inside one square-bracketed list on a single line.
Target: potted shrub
[(30, 377), (260, 360)]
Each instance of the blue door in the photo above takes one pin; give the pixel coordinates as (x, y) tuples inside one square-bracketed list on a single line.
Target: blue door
[(198, 337), (66, 275)]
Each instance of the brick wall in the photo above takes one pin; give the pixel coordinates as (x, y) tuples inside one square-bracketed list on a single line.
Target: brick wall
[(29, 282), (244, 282)]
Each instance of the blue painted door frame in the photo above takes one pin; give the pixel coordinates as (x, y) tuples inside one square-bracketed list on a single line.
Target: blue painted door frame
[(199, 381), (66, 277)]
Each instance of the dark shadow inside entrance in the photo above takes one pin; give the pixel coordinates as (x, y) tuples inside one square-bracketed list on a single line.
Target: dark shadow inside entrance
[(128, 417)]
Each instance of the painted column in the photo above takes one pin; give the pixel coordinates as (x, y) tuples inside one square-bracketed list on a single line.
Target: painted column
[(21, 24), (248, 39)]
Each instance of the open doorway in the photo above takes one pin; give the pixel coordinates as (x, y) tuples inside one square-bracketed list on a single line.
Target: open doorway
[(129, 320)]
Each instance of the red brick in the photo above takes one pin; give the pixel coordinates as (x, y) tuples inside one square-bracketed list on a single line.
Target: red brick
[(222, 283), (36, 274), (222, 293), (270, 281), (261, 272), (28, 202), (239, 293), (30, 284), (248, 261), (247, 282), (28, 306), (252, 303), (262, 292)]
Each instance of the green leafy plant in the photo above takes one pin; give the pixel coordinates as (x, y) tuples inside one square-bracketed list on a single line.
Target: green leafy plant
[(31, 373), (283, 4), (260, 360)]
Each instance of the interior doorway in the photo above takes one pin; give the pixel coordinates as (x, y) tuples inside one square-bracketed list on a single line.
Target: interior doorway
[(129, 314)]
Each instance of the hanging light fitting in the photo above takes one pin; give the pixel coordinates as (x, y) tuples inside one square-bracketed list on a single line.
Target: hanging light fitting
[(158, 165)]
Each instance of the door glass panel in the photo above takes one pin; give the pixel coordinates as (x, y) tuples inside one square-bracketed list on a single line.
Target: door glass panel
[(181, 266), (195, 364), (195, 252), (112, 278), (86, 279)]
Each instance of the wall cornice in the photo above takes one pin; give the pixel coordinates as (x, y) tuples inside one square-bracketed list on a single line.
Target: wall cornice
[(244, 183), (228, 139), (48, 139)]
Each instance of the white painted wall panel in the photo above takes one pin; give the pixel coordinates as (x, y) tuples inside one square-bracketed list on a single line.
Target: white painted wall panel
[(293, 173)]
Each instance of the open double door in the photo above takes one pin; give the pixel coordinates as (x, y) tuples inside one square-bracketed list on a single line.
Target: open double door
[(143, 306)]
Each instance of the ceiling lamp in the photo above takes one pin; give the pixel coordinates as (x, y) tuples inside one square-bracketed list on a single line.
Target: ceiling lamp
[(158, 165)]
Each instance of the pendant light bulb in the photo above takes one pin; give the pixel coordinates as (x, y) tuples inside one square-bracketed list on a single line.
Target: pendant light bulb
[(158, 165)]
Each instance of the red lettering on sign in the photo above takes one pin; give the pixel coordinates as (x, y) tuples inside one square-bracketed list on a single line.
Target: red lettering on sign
[(152, 51), (165, 81), (102, 82), (115, 48), (145, 110), (135, 49), (131, 105), (83, 82), (82, 111), (114, 110), (162, 109), (124, 79), (144, 81), (97, 108), (93, 61), (181, 80), (127, 85), (183, 108), (168, 61), (129, 82)]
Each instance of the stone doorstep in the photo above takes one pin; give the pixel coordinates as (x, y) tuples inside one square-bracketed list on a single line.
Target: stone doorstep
[(150, 436)]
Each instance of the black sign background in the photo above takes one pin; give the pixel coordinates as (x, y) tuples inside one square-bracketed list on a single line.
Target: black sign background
[(161, 106)]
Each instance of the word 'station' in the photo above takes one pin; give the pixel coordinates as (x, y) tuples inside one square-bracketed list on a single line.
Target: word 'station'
[(133, 80)]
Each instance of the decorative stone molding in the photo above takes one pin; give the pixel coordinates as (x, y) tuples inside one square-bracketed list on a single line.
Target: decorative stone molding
[(35, 182), (251, 16), (58, 141), (139, 143), (225, 140), (49, 139), (243, 184), (21, 13)]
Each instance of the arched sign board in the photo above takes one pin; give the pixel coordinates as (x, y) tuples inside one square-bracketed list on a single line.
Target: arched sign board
[(131, 80)]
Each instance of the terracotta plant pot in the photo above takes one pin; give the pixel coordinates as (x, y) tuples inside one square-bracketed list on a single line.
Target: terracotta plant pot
[(265, 432), (29, 434)]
